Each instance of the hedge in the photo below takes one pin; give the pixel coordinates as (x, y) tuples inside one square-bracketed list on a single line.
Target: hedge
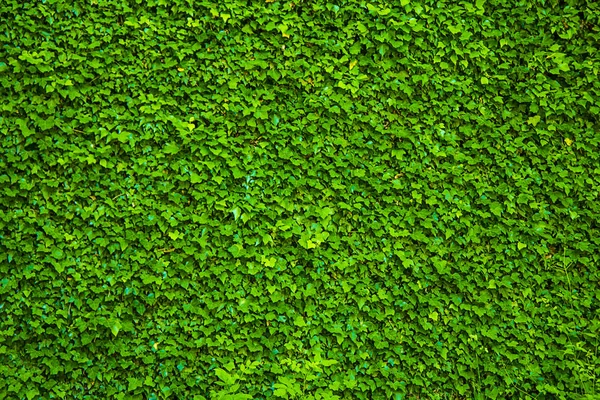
[(299, 199)]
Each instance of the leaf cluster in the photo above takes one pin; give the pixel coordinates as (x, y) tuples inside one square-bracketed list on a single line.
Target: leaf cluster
[(299, 199)]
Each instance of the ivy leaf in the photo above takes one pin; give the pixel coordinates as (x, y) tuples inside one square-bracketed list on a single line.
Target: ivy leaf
[(236, 250), (225, 376), (115, 327), (32, 393), (307, 243), (171, 148), (534, 120), (134, 384), (58, 254), (299, 321), (496, 209), (175, 235)]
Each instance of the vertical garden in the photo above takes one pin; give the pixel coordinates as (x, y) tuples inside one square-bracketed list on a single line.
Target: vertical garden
[(299, 199)]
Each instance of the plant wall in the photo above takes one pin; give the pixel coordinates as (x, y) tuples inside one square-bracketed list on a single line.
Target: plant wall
[(299, 199)]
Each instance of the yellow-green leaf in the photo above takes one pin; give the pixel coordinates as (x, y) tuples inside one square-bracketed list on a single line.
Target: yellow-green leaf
[(534, 120)]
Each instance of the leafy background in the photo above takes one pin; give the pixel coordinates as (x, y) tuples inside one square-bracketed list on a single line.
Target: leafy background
[(308, 199)]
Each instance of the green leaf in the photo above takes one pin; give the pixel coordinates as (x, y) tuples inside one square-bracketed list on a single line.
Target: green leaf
[(225, 376), (496, 209), (58, 254), (236, 250), (115, 326), (533, 120), (171, 148), (134, 383)]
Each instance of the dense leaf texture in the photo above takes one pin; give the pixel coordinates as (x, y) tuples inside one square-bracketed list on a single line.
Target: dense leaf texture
[(247, 199)]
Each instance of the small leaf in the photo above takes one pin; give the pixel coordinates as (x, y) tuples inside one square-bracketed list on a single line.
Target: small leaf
[(224, 376), (236, 250), (134, 384), (115, 327), (496, 208), (57, 253), (568, 141), (195, 178), (171, 148), (32, 393), (534, 120), (484, 80), (455, 29)]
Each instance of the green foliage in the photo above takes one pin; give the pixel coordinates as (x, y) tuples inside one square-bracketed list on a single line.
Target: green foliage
[(299, 199)]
